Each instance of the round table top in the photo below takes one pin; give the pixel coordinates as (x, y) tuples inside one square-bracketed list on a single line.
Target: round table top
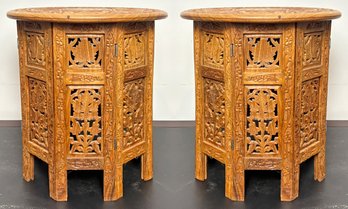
[(260, 14), (86, 14)]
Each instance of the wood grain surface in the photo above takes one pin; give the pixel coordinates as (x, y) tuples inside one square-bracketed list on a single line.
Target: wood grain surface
[(86, 14), (260, 14)]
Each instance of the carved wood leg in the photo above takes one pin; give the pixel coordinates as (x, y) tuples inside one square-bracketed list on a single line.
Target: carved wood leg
[(319, 166), (28, 165), (320, 158), (237, 188), (119, 181), (58, 184), (146, 165), (51, 179), (201, 165), (228, 181), (290, 183), (110, 190)]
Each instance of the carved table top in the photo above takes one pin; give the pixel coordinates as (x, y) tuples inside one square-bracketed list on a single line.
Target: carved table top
[(261, 14), (86, 14)]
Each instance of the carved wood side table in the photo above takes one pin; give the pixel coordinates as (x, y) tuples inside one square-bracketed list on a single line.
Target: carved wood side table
[(261, 87), (86, 88)]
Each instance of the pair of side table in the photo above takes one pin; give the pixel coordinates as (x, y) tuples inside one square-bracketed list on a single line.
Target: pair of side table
[(86, 86)]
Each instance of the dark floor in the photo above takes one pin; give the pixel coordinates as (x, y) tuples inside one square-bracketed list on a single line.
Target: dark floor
[(173, 186)]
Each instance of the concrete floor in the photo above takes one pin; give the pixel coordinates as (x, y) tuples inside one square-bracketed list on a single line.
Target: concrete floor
[(173, 186)]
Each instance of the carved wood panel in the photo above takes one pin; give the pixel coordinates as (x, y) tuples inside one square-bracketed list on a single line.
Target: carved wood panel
[(85, 51), (35, 42), (312, 44), (134, 50), (309, 112), (85, 134), (133, 112), (36, 93), (213, 50), (38, 113), (262, 121), (262, 51), (214, 112)]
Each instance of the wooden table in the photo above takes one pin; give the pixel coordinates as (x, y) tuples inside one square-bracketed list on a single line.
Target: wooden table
[(261, 91), (86, 89)]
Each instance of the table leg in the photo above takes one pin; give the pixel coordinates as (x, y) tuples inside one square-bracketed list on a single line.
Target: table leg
[(58, 184), (113, 188), (201, 165), (28, 165), (289, 183), (119, 181), (228, 181), (235, 183), (319, 166), (146, 165)]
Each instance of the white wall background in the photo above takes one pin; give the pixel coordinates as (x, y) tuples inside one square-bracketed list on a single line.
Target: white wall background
[(174, 79)]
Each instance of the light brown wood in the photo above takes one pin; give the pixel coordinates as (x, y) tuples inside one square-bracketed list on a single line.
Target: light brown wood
[(260, 14), (261, 92), (87, 14), (86, 98)]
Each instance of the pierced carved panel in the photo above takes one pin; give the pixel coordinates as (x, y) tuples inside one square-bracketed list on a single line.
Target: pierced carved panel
[(309, 112), (213, 50), (134, 50), (214, 112), (262, 51), (85, 51), (312, 48), (133, 112), (38, 113), (85, 121), (262, 121), (35, 48)]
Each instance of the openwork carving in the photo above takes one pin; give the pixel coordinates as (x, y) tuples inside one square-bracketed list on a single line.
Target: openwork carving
[(312, 48), (262, 124), (213, 50), (35, 48), (134, 50), (133, 112), (262, 51), (85, 121), (85, 51), (310, 112), (214, 112), (38, 113)]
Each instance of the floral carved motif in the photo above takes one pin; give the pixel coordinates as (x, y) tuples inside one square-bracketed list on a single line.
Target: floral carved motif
[(133, 112), (214, 112), (213, 50), (309, 112), (262, 124), (134, 50), (35, 48), (262, 51), (312, 48), (38, 112), (85, 51), (85, 121)]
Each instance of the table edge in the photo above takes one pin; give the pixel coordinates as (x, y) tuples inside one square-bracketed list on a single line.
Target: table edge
[(189, 15), (155, 15)]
